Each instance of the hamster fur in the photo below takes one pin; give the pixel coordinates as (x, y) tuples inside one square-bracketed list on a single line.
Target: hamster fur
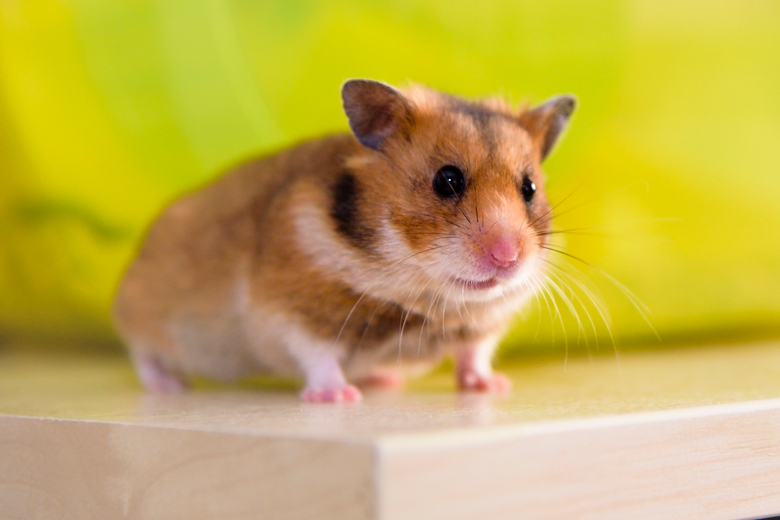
[(347, 259)]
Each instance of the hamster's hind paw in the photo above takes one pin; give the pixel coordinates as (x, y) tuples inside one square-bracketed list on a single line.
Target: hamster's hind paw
[(496, 382), (382, 381), (157, 379), (346, 393)]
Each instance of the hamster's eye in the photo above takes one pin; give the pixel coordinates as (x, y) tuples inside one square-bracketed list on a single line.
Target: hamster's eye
[(449, 181), (528, 189)]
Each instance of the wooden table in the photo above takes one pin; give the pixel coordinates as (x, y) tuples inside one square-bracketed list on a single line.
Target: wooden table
[(687, 433)]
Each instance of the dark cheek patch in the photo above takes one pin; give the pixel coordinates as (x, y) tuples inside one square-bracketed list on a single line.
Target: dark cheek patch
[(346, 214), (421, 230), (413, 230)]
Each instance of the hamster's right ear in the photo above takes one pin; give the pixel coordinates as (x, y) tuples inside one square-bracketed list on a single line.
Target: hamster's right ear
[(547, 121), (375, 110)]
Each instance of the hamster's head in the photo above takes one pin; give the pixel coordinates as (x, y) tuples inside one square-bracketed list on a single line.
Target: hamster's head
[(451, 191)]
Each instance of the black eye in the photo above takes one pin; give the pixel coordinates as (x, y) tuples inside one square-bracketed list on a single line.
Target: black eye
[(449, 182), (528, 189)]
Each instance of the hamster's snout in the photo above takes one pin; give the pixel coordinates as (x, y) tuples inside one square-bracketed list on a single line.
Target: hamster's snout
[(502, 251), (496, 255)]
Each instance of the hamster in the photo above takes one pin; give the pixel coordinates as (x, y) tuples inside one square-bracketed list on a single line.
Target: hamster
[(352, 259)]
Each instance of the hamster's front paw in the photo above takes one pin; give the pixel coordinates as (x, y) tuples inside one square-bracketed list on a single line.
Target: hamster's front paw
[(156, 379), (346, 393), (494, 382)]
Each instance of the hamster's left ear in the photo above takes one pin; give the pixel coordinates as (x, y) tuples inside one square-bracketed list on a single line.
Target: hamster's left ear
[(545, 122), (376, 111)]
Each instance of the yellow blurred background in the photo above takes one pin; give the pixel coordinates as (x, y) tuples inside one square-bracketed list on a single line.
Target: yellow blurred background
[(109, 109)]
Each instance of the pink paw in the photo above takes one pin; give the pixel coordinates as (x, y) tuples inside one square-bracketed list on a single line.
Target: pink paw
[(157, 380), (383, 380), (494, 383), (347, 393)]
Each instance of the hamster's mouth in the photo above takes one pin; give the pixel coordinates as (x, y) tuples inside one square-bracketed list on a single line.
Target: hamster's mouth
[(478, 285), (500, 274)]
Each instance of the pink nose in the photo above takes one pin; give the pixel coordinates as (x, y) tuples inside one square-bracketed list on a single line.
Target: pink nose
[(503, 252)]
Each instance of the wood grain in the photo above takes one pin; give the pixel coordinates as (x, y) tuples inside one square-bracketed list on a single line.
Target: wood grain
[(85, 470), (722, 462)]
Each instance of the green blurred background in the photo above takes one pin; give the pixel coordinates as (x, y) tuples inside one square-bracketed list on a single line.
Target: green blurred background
[(109, 109)]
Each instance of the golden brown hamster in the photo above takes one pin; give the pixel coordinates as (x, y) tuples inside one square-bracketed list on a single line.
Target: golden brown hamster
[(352, 258)]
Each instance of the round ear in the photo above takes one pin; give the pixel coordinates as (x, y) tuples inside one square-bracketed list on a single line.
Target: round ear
[(545, 122), (375, 110)]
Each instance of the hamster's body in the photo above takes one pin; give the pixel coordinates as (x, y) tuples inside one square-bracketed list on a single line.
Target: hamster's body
[(338, 259)]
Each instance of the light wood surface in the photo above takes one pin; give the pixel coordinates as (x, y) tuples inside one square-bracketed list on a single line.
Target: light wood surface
[(691, 433)]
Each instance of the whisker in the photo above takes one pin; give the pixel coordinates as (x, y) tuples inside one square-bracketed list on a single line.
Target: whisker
[(369, 323), (622, 223), (408, 312), (534, 290), (569, 305), (372, 285), (597, 300), (556, 205), (599, 197), (444, 308), (584, 309), (606, 235), (585, 230), (425, 319), (557, 317), (636, 302)]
